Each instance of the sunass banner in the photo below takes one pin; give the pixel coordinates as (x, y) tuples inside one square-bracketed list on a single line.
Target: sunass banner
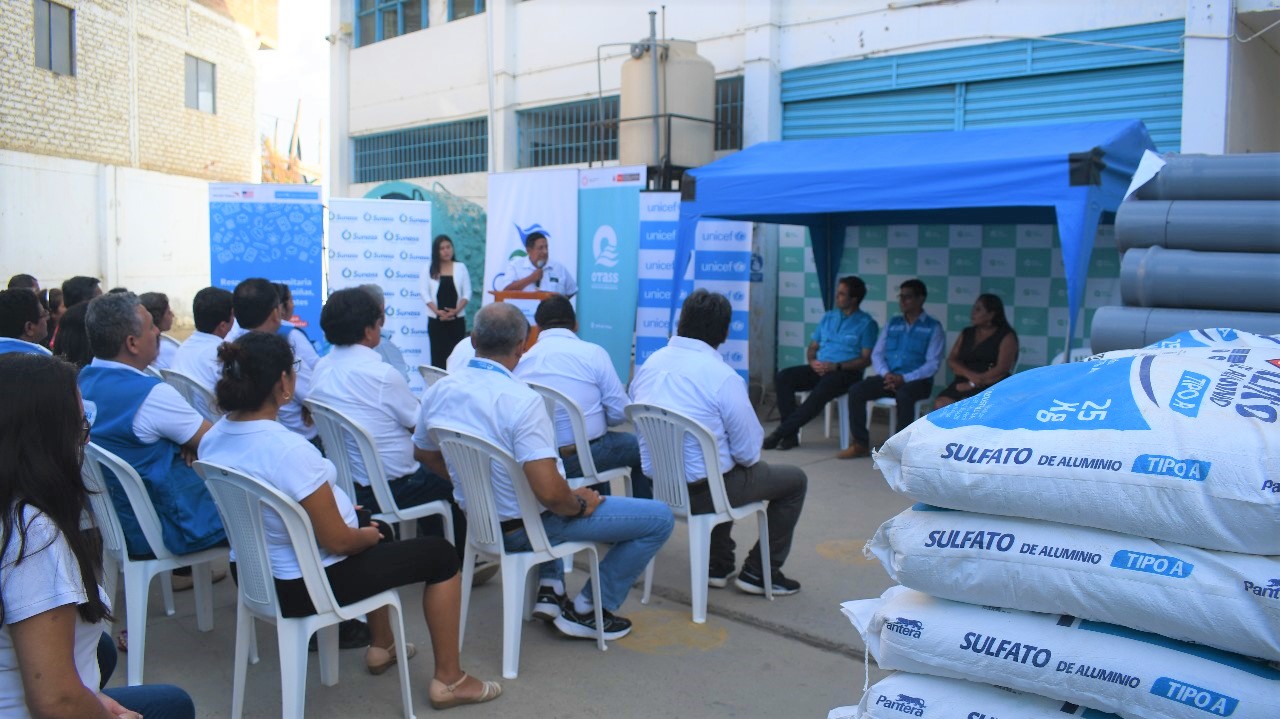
[(659, 218), (386, 243), (271, 231), (608, 226), (722, 263), (545, 201)]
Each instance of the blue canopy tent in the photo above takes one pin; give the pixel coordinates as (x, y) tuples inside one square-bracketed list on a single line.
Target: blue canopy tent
[(1072, 172)]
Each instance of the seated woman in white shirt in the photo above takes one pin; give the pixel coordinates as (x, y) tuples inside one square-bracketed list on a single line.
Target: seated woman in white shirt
[(52, 611), (257, 378)]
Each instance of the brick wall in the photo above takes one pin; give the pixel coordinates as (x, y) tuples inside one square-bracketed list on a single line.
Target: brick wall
[(88, 116)]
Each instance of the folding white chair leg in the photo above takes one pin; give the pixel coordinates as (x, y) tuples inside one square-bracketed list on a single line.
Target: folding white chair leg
[(135, 593), (648, 582), (468, 571), (567, 564), (699, 567), (253, 641), (327, 644), (293, 669), (512, 617), (202, 587), (166, 592), (397, 630), (246, 645), (595, 598)]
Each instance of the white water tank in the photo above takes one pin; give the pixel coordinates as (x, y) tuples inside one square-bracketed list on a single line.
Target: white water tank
[(686, 86)]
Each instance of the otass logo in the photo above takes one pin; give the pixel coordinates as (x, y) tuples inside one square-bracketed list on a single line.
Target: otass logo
[(904, 703), (605, 247), (906, 627)]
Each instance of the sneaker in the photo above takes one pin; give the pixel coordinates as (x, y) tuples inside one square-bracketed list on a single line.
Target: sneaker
[(583, 626), (352, 634), (484, 571), (751, 583), (719, 579), (184, 582), (548, 605)]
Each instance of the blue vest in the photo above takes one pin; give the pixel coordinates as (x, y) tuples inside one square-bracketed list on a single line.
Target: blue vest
[(188, 517), (905, 346), (9, 345)]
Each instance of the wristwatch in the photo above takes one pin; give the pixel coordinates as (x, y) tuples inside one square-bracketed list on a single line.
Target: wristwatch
[(582, 507)]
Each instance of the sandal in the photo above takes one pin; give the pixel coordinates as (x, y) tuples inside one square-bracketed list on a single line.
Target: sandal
[(442, 696), (379, 660)]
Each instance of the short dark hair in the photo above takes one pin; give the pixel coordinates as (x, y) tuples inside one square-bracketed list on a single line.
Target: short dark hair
[(23, 282), (254, 300), (499, 329), (533, 237), (916, 286), (283, 290), (555, 312), (211, 307), (347, 314), (17, 308), (157, 303), (251, 366), (72, 343), (854, 285), (111, 320), (79, 289), (705, 316)]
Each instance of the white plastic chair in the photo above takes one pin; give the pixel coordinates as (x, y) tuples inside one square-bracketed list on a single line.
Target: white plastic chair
[(339, 433), (471, 460), (431, 374), (664, 433), (200, 399), (138, 573), (803, 396), (888, 404), (240, 501)]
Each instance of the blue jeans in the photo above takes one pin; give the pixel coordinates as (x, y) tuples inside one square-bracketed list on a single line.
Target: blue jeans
[(637, 528), (611, 451), (153, 701)]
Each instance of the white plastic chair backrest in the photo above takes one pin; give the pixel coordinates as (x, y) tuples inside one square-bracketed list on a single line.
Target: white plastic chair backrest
[(340, 435), (201, 399), (241, 500), (98, 460), (470, 460), (664, 432), (104, 512), (151, 370), (582, 444), (431, 374), (171, 340)]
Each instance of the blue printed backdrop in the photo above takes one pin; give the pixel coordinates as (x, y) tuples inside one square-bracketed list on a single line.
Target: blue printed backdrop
[(271, 231), (659, 218), (608, 242), (722, 263)]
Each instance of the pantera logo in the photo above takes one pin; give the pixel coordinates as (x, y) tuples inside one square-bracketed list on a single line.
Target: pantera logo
[(1270, 590), (902, 703), (906, 627), (605, 247)]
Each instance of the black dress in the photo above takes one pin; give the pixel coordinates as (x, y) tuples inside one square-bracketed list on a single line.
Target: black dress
[(444, 335), (976, 357)]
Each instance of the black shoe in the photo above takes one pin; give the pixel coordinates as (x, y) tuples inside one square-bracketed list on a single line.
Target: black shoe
[(548, 605), (771, 442), (352, 634), (749, 581), (719, 578), (484, 571), (583, 626), (788, 443)]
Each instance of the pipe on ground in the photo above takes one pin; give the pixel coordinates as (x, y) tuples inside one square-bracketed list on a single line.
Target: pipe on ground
[(1234, 281), (1215, 226), (1252, 176), (1123, 328)]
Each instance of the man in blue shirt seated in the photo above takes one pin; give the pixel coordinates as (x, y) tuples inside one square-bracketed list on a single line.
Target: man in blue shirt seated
[(907, 356), (839, 352)]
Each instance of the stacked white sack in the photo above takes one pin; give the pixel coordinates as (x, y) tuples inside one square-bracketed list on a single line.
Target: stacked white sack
[(920, 695), (1221, 599), (1133, 674), (1216, 337), (1182, 446)]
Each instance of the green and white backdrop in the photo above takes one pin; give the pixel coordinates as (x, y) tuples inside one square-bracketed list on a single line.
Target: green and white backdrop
[(1020, 263)]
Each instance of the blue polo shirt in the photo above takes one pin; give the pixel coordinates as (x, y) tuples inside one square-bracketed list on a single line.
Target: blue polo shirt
[(843, 337)]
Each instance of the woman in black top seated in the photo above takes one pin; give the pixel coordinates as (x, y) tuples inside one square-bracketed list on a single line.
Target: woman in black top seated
[(984, 353)]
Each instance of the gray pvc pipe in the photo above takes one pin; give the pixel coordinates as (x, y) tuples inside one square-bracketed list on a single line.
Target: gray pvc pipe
[(1239, 281), (1124, 328), (1216, 226), (1253, 176)]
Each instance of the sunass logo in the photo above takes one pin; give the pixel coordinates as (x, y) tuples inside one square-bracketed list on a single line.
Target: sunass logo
[(393, 274), (407, 255), (406, 292), (349, 273), (375, 255)]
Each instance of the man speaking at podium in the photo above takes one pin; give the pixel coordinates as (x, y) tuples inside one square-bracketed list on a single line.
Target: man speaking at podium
[(535, 272)]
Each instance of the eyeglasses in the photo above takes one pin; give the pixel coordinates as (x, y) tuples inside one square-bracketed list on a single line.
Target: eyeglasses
[(297, 365), (905, 296), (85, 428)]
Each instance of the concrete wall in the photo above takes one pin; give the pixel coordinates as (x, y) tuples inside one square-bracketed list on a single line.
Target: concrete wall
[(1253, 117)]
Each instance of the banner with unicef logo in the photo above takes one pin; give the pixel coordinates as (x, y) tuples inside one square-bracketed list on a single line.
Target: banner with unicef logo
[(608, 238), (659, 219), (722, 263), (271, 231), (386, 243)]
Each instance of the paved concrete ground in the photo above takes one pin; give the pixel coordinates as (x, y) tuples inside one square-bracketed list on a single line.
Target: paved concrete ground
[(795, 657)]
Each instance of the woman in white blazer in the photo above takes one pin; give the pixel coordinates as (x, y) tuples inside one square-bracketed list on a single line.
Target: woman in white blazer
[(445, 287)]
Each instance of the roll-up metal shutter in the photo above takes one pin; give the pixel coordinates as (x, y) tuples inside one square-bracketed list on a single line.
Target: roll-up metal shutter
[(926, 109)]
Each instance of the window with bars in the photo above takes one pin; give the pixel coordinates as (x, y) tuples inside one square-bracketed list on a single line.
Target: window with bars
[(378, 20), (201, 78), (450, 148), (729, 113), (571, 133), (55, 31), (459, 9)]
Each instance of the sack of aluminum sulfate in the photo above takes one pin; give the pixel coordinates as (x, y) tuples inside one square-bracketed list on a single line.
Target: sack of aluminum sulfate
[(920, 695), (1217, 337), (1180, 446), (1222, 599), (1102, 666)]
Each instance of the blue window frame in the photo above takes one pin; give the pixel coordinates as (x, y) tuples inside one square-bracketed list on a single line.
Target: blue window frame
[(459, 9), (568, 134), (449, 148), (378, 20), (729, 113)]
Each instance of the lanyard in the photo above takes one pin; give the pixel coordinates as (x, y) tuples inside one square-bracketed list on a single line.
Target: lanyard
[(487, 365)]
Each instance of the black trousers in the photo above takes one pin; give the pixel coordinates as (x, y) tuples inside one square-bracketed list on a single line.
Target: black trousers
[(822, 389), (783, 486)]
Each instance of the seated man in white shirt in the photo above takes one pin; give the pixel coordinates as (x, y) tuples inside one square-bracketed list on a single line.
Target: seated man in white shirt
[(690, 377), (197, 358), (462, 353), (353, 379), (257, 309), (584, 372), (537, 272), (387, 349), (485, 400), (24, 322)]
